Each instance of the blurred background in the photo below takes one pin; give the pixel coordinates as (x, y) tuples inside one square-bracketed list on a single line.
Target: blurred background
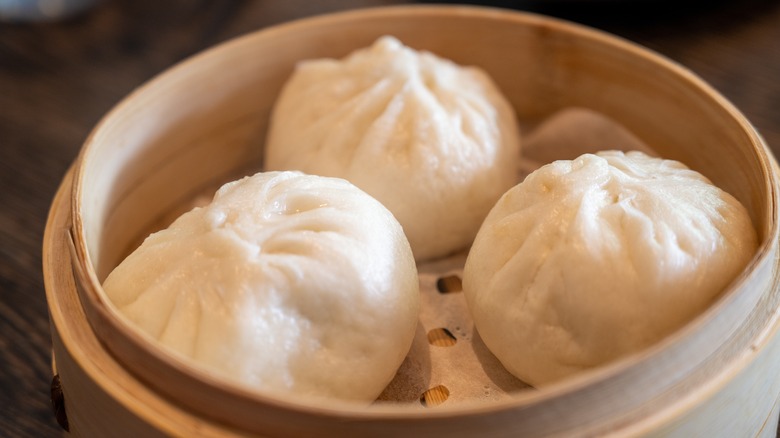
[(64, 63)]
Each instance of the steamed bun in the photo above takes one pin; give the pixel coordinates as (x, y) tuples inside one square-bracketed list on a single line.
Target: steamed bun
[(591, 259), (288, 283), (435, 142)]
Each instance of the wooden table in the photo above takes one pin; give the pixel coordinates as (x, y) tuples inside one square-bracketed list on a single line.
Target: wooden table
[(57, 79)]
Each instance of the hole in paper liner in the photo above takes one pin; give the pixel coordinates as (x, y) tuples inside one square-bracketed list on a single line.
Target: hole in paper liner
[(441, 337), (448, 284), (435, 396)]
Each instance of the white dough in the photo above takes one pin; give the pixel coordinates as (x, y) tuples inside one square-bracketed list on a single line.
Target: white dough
[(435, 142), (595, 258), (286, 282)]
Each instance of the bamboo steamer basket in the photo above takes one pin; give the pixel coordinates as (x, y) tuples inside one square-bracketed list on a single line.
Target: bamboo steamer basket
[(203, 122)]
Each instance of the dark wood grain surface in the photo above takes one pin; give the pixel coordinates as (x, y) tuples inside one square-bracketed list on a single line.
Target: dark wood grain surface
[(58, 78)]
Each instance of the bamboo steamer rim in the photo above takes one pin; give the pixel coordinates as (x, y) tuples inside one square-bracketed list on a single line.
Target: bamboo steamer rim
[(112, 329)]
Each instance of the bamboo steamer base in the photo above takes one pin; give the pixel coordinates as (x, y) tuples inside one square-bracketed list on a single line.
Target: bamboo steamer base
[(163, 145), (104, 399)]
